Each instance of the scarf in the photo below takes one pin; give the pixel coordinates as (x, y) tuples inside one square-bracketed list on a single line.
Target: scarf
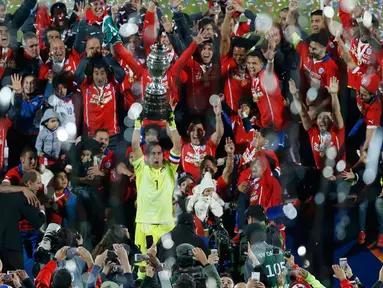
[(92, 19), (43, 21)]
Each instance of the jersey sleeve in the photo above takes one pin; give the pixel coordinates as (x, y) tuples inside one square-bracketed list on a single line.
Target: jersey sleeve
[(11, 177), (373, 116), (174, 160), (139, 164)]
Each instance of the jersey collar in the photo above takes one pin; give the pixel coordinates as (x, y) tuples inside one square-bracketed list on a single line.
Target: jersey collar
[(21, 169), (324, 59)]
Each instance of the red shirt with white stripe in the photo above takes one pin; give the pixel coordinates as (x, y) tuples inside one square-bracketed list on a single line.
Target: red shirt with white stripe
[(100, 108), (321, 142), (371, 112), (269, 100), (193, 155), (265, 191), (5, 124), (237, 82)]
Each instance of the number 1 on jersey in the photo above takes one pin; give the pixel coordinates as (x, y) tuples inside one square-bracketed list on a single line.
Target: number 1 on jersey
[(156, 184)]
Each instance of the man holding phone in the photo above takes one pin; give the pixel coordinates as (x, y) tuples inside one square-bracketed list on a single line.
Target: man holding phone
[(155, 183)]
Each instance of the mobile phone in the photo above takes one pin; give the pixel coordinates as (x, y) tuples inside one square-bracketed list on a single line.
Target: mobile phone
[(190, 253), (214, 251), (140, 257), (256, 276), (342, 263), (7, 277), (72, 251), (149, 241), (276, 251), (287, 253)]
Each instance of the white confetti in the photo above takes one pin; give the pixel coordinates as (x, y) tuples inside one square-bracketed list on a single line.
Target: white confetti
[(62, 134)]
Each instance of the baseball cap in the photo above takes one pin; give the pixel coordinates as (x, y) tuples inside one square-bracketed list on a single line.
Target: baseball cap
[(184, 176), (371, 83), (321, 38), (182, 249)]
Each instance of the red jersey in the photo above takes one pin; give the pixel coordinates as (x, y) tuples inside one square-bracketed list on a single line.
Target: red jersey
[(108, 161), (269, 102), (371, 112), (241, 137), (171, 78), (193, 155), (5, 53), (100, 108), (240, 29), (5, 124), (73, 60), (14, 175), (321, 142), (131, 80), (58, 215), (315, 73), (237, 82), (265, 191), (361, 53), (44, 70)]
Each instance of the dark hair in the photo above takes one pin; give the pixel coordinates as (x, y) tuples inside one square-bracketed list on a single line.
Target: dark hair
[(101, 130), (57, 5), (286, 9), (255, 233), (97, 62), (150, 146), (316, 13), (65, 237), (194, 123), (26, 150), (63, 78), (184, 261), (257, 53), (62, 278), (206, 21), (45, 35), (375, 22), (154, 127), (29, 176), (185, 281), (208, 158), (115, 235)]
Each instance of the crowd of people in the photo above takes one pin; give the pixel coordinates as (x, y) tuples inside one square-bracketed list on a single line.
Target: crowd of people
[(270, 129)]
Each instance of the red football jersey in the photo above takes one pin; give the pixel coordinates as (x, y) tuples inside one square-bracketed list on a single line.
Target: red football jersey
[(321, 142), (315, 72), (44, 70), (14, 175), (265, 191), (192, 156), (237, 82), (5, 124), (100, 108), (371, 112), (269, 101)]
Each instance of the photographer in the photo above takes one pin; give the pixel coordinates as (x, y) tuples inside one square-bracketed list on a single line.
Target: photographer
[(266, 259), (17, 279), (123, 273), (187, 255), (51, 276)]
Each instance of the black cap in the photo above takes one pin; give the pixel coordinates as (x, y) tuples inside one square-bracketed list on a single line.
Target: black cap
[(57, 5), (186, 218), (184, 176), (256, 211), (321, 38)]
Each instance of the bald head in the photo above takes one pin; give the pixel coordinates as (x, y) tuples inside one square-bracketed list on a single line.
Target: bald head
[(93, 46), (57, 50), (32, 180)]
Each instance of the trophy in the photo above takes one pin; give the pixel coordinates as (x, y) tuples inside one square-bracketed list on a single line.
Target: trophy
[(155, 105)]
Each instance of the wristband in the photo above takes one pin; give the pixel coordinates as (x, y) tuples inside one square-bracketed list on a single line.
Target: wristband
[(359, 20), (137, 124), (271, 61)]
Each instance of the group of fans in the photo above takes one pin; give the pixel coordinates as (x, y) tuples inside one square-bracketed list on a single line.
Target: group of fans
[(268, 132)]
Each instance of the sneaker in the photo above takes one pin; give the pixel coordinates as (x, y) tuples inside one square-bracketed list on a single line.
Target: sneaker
[(379, 242), (362, 237)]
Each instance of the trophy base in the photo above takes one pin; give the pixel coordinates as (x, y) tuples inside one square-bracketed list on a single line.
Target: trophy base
[(161, 123)]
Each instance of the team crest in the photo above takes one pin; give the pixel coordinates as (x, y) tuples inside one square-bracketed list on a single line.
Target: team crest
[(107, 86), (321, 70), (332, 45), (107, 165), (203, 148), (364, 81), (369, 51)]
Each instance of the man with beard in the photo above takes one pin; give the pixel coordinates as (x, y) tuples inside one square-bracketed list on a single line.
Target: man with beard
[(316, 70), (237, 78), (99, 91)]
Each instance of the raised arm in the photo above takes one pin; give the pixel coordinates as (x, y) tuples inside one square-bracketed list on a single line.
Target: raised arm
[(149, 33), (269, 55), (228, 171), (136, 141), (225, 31), (219, 130), (174, 135), (129, 59), (306, 120), (333, 90), (346, 55), (79, 74)]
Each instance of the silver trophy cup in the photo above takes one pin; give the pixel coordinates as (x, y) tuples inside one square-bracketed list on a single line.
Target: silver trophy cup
[(155, 105)]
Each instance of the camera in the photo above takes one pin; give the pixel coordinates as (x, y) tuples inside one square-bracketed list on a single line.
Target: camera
[(42, 254), (287, 253), (114, 268), (71, 252)]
